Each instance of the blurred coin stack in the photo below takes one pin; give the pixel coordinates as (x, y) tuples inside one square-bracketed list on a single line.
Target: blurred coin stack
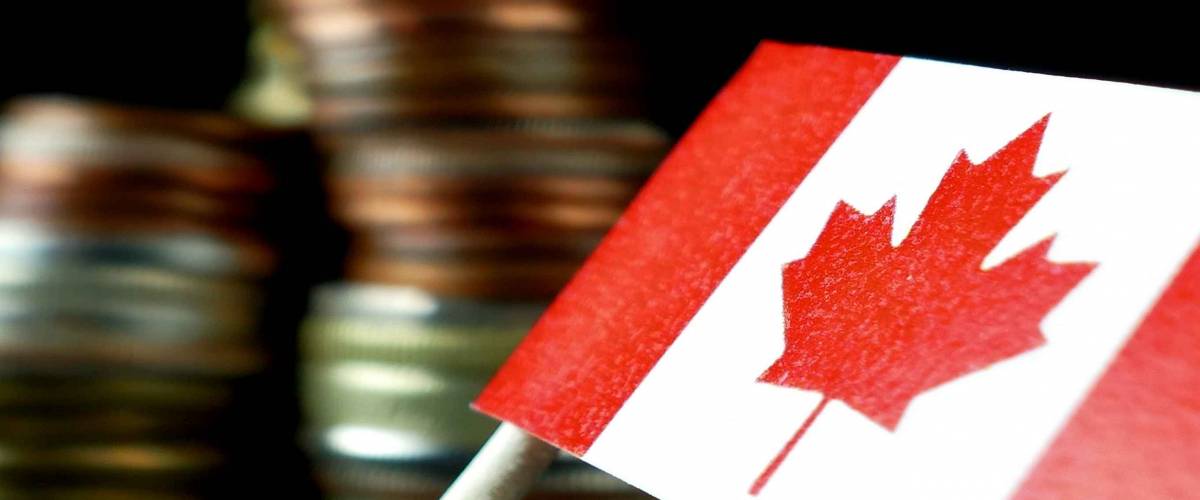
[(129, 297), (477, 152), (273, 92)]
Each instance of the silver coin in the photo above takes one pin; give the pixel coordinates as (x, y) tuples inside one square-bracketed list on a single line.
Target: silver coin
[(414, 402), (381, 444), (184, 251), (413, 304), (49, 307), (83, 147), (131, 279), (471, 349)]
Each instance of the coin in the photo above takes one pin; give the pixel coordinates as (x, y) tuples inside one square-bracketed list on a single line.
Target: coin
[(143, 460), (616, 149), (398, 50), (57, 141), (38, 489), (104, 424), (68, 112), (380, 110), (129, 296), (105, 305), (336, 23), (470, 71), (136, 200), (421, 408), (185, 251), (81, 387), (121, 278), (402, 212), (386, 302), (197, 359), (520, 280), (463, 348), (273, 93), (359, 443), (473, 243), (478, 151)]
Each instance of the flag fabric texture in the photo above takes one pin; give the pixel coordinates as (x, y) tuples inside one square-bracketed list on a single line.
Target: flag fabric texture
[(866, 276)]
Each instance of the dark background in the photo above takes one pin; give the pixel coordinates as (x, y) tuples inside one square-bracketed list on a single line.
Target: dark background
[(192, 54)]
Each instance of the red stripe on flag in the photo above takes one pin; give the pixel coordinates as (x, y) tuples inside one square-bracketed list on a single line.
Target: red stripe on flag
[(709, 200), (1137, 435)]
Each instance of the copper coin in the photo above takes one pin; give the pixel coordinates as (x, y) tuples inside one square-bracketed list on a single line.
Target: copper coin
[(467, 278), (557, 47), (74, 112), (469, 243), (55, 140), (383, 212), (55, 155), (472, 72), (24, 200), (327, 23), (139, 224), (358, 110), (619, 148), (578, 188), (67, 173)]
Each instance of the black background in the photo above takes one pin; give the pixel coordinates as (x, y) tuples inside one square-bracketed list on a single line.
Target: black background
[(191, 53)]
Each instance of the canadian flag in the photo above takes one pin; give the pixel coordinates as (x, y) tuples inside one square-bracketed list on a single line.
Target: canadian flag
[(863, 276)]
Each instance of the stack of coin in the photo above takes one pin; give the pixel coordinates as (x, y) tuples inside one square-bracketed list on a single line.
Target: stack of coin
[(388, 373), (373, 64), (273, 92), (399, 362), (129, 270), (478, 148), (477, 151), (498, 214)]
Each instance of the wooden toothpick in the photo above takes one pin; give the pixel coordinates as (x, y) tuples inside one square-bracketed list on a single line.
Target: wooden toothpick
[(505, 468)]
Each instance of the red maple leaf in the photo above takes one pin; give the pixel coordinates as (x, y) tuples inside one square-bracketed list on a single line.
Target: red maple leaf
[(874, 325)]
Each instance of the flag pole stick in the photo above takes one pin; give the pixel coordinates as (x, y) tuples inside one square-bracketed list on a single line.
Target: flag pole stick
[(505, 468)]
